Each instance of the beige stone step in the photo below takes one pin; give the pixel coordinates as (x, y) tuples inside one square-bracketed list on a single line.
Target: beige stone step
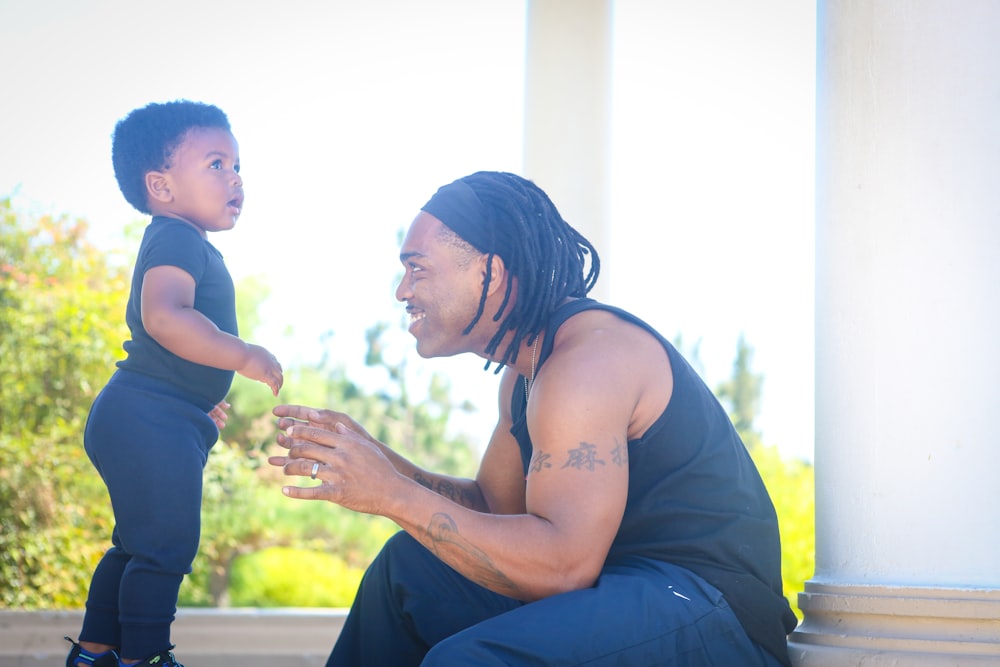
[(204, 637)]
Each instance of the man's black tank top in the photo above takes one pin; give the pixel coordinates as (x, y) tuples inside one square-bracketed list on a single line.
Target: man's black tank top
[(695, 498)]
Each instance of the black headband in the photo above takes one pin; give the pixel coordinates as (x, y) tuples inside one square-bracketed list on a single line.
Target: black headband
[(461, 210)]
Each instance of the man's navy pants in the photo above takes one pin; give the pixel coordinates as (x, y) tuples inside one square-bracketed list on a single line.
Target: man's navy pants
[(412, 609)]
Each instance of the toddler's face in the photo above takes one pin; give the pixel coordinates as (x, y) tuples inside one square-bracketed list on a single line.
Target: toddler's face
[(203, 177)]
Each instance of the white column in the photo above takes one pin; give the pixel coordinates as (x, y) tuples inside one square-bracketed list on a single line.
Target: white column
[(568, 115), (907, 337)]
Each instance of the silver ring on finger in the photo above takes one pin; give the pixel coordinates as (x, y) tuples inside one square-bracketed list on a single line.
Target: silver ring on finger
[(315, 470)]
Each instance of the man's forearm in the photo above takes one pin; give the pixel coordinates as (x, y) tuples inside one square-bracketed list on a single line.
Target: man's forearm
[(464, 492), (493, 550)]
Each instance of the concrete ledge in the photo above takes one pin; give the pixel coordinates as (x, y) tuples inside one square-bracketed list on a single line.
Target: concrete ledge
[(847, 625), (204, 637)]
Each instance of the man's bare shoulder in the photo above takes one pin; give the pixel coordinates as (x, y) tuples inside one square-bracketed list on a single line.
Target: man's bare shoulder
[(599, 357)]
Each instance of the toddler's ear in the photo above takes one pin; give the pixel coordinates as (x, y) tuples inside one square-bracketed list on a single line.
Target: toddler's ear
[(158, 187)]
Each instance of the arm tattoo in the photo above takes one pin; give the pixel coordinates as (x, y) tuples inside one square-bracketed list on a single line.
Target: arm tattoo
[(423, 481), (443, 534), (456, 493), (619, 455), (540, 460), (583, 457), (450, 490)]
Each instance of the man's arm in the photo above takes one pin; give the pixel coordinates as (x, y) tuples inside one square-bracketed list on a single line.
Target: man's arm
[(465, 492), (580, 407), (573, 497), (501, 476)]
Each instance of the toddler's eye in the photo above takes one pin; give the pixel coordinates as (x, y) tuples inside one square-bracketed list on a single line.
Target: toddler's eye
[(217, 164), (236, 167)]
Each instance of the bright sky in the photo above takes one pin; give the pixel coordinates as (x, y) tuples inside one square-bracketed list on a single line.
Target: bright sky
[(350, 114)]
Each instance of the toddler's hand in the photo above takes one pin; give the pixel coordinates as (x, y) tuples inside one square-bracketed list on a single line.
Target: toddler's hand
[(219, 414), (263, 367)]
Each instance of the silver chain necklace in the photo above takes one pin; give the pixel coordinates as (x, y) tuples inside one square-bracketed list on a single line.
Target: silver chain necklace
[(527, 384)]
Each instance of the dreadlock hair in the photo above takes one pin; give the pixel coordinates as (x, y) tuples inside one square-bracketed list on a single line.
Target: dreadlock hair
[(146, 138), (546, 254)]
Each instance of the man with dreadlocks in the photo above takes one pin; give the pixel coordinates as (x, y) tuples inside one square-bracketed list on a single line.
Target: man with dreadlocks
[(616, 518)]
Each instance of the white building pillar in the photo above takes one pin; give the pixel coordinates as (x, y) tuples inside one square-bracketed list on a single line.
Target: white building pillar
[(907, 337), (567, 119)]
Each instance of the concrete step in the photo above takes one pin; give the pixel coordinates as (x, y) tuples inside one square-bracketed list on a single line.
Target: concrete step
[(204, 637)]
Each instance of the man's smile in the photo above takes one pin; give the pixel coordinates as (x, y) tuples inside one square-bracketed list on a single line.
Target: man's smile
[(415, 317)]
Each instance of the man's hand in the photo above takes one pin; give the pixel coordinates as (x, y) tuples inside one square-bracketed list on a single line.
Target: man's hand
[(290, 415), (352, 470)]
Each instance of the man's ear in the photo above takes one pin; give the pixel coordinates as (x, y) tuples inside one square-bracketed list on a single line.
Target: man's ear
[(158, 187), (498, 273)]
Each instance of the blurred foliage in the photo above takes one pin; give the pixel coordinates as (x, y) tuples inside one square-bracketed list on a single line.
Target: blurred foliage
[(742, 390), (791, 484), (264, 579), (238, 516), (61, 327)]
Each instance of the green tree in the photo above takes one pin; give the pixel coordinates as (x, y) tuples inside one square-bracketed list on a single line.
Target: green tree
[(62, 318), (790, 483), (691, 352), (742, 390), (61, 327)]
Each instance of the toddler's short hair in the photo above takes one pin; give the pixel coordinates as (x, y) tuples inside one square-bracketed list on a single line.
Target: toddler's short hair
[(146, 138)]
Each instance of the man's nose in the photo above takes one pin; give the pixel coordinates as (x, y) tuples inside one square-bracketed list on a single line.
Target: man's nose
[(403, 291)]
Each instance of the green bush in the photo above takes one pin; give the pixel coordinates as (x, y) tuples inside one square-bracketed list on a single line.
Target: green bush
[(289, 577)]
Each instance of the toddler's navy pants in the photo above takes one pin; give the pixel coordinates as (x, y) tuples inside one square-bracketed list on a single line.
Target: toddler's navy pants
[(149, 441)]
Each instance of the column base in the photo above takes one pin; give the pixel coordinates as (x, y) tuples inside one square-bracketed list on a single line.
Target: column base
[(889, 626)]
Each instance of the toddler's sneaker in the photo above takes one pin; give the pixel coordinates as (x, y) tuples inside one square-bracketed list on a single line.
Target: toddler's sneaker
[(80, 656), (161, 659)]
